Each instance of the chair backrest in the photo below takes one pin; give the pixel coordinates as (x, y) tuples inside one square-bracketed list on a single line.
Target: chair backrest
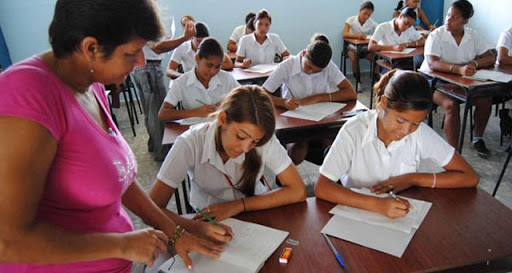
[(182, 197)]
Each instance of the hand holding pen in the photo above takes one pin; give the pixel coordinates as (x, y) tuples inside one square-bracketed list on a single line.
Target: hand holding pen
[(205, 109)]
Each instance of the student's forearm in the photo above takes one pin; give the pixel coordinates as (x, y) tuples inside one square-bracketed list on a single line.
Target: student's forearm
[(446, 179), (227, 64), (418, 43), (377, 47), (486, 61), (280, 102), (505, 60), (348, 35), (173, 74), (167, 45), (168, 114), (232, 46), (279, 197), (345, 94)]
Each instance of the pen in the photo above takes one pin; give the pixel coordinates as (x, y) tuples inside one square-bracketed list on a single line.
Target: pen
[(201, 102), (434, 24), (340, 261), (291, 93), (207, 217)]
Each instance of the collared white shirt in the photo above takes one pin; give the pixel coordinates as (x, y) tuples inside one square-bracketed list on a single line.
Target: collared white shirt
[(184, 55), (355, 26), (149, 54), (360, 159), (189, 90), (290, 74), (238, 33), (440, 43), (260, 53), (385, 34), (194, 152), (505, 41)]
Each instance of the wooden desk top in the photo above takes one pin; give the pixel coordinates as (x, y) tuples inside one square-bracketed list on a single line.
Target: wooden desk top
[(459, 230), (357, 41), (241, 75), (396, 56), (466, 82), (283, 124)]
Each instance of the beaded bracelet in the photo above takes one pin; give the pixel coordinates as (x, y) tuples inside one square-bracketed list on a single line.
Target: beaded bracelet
[(176, 234)]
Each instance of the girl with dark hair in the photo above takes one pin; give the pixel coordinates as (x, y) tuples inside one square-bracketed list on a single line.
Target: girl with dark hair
[(225, 159), (383, 148), (260, 47), (241, 31), (66, 170), (397, 34), (422, 17), (201, 88), (453, 48), (307, 79), (184, 54)]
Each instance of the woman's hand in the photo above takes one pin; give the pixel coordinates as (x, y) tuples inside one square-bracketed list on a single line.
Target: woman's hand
[(291, 104), (187, 243), (221, 211), (399, 47), (393, 208), (247, 63), (396, 184), (467, 70), (218, 234), (206, 110), (143, 245)]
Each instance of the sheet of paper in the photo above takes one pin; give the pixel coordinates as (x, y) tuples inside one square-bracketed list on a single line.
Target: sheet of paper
[(247, 252), (387, 240), (368, 37), (484, 75), (193, 120), (423, 32), (315, 112), (404, 224), (261, 68), (405, 51)]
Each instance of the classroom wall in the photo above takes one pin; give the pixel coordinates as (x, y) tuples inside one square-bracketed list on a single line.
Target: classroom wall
[(490, 18)]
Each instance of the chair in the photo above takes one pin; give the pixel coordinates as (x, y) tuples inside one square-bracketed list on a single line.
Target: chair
[(507, 160), (181, 196), (344, 56)]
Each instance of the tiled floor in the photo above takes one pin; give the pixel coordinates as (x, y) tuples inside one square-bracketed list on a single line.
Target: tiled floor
[(488, 169)]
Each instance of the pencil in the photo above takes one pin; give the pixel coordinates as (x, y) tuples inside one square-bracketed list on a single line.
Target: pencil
[(201, 102), (207, 217)]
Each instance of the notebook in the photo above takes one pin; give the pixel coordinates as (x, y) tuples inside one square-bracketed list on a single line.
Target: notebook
[(485, 75), (314, 112), (246, 253), (261, 68)]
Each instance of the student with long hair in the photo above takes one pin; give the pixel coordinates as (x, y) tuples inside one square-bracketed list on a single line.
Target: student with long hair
[(225, 159), (454, 48), (241, 31), (260, 47), (201, 88), (422, 17), (382, 149)]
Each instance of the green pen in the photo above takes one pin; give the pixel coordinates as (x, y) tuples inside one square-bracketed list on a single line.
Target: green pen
[(207, 217), (201, 102), (291, 93)]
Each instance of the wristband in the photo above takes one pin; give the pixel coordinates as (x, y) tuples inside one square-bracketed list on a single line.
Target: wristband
[(435, 181), (475, 62)]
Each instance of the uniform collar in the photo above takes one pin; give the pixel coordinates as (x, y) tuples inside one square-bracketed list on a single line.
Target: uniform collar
[(371, 134), (193, 80), (210, 151)]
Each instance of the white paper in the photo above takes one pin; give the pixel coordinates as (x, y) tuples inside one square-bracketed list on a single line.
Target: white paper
[(315, 112), (193, 120), (423, 32), (405, 51), (246, 253), (484, 75), (387, 240), (368, 37), (261, 68)]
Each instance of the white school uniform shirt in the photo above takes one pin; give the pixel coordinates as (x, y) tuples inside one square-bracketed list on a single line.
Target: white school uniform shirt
[(238, 33), (194, 152), (441, 43), (188, 89), (360, 159), (505, 41), (290, 74), (385, 34), (355, 26), (260, 53), (185, 55), (149, 54)]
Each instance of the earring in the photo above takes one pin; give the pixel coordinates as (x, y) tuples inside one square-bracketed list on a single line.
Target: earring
[(90, 68)]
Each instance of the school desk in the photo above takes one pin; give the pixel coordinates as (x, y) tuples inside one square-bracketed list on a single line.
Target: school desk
[(243, 76), (360, 45), (284, 125), (466, 89), (464, 229)]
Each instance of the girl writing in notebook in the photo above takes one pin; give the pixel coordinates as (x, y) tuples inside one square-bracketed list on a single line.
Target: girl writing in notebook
[(199, 89), (382, 149), (260, 47), (225, 159)]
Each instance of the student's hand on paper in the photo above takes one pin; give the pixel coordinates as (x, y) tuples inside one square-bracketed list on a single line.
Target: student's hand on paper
[(205, 110), (291, 104), (189, 243), (217, 234), (397, 184), (308, 101), (190, 30), (247, 63), (399, 47), (221, 211), (467, 70), (143, 245), (362, 36), (394, 208)]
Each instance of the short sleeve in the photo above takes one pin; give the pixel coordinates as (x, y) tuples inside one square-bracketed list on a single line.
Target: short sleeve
[(177, 54), (505, 41), (433, 45), (413, 35), (428, 138), (480, 45), (276, 157), (279, 45), (33, 93), (232, 82), (338, 160), (335, 76), (374, 25), (378, 35), (177, 163), (277, 77), (349, 20), (174, 96), (242, 47)]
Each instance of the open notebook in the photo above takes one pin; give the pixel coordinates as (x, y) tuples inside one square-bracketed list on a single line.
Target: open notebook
[(314, 112), (374, 230), (246, 253), (261, 68), (485, 75)]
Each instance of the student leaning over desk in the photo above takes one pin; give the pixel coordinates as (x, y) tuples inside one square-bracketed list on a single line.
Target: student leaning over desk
[(422, 17), (383, 148), (260, 47), (307, 79), (225, 159), (65, 169), (454, 48), (201, 88)]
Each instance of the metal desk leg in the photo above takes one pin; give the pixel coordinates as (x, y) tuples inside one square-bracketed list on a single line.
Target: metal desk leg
[(503, 170), (464, 120)]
